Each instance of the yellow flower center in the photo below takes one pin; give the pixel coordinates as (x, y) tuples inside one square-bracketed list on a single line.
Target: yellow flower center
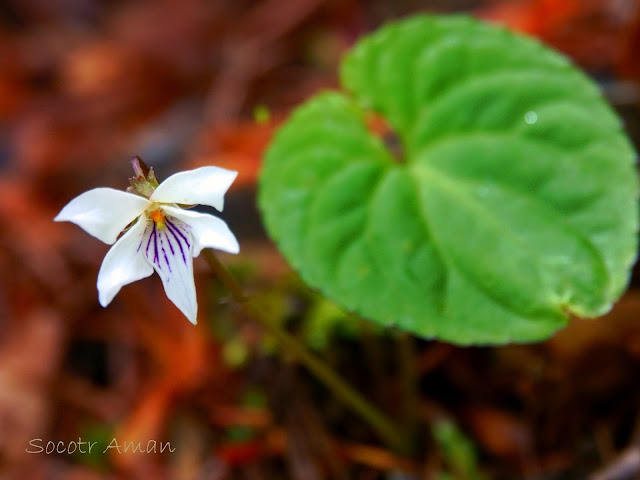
[(157, 216)]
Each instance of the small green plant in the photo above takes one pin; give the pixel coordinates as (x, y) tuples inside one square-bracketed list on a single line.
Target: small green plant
[(457, 450), (513, 205)]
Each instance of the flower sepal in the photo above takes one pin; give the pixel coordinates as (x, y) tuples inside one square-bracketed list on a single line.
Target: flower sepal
[(150, 231), (144, 183)]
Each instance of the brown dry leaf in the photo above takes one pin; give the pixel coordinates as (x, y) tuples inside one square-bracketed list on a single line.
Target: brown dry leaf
[(376, 458), (145, 422), (237, 147), (182, 359), (92, 69), (30, 234), (29, 359), (619, 328), (13, 88), (499, 432), (628, 64), (187, 40), (234, 415), (255, 47), (587, 30)]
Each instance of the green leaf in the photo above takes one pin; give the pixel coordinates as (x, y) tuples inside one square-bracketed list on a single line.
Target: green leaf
[(457, 450), (515, 203)]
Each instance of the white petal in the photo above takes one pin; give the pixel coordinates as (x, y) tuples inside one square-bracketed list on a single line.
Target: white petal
[(204, 186), (207, 230), (103, 212), (124, 263), (169, 250)]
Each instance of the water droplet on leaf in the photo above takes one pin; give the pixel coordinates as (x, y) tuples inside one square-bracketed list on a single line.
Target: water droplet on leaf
[(531, 117)]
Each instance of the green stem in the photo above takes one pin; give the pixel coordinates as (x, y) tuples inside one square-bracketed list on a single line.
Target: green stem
[(350, 397)]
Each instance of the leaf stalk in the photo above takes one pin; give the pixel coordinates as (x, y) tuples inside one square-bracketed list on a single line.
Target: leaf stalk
[(351, 398)]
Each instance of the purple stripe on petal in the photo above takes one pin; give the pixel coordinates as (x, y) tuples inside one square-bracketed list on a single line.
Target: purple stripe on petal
[(170, 245), (141, 238), (164, 253), (185, 228), (146, 252), (180, 230), (176, 233), (156, 259), (179, 244), (184, 259)]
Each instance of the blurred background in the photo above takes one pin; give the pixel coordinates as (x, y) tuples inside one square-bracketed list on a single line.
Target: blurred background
[(85, 85)]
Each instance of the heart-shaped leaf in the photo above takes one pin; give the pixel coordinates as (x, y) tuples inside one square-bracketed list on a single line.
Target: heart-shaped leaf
[(515, 202)]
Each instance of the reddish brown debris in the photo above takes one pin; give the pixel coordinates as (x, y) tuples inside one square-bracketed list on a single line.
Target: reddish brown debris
[(85, 85)]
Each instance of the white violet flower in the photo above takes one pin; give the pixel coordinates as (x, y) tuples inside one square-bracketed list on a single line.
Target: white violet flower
[(158, 234)]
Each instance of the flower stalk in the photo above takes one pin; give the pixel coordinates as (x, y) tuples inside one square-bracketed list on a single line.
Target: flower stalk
[(383, 426), (150, 231)]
